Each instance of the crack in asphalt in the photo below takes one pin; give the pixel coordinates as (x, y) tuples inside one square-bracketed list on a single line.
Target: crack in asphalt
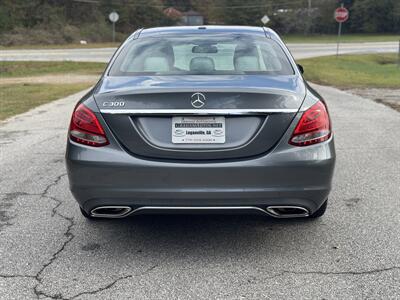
[(68, 234), (54, 183), (15, 276), (13, 196), (366, 272), (110, 285), (96, 291), (254, 280)]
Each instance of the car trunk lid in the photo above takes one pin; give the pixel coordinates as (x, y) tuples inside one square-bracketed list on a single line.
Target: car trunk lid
[(257, 110)]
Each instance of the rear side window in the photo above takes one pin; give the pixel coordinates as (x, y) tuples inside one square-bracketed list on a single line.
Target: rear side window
[(201, 55)]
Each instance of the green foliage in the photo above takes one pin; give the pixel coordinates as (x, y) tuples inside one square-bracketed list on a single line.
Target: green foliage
[(137, 16), (375, 16), (68, 21), (6, 21), (239, 12)]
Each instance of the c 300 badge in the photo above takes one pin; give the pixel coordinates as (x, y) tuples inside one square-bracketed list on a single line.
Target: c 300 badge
[(114, 103)]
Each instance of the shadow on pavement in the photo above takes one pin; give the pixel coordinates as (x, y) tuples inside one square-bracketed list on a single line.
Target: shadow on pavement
[(198, 235)]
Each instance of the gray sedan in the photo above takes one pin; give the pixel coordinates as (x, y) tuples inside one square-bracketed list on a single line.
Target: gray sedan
[(201, 119)]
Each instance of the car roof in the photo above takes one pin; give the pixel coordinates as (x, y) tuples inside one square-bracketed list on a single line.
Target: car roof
[(206, 29)]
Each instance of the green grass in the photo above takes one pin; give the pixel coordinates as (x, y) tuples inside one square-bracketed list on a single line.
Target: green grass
[(36, 68), (354, 71), (346, 38), (62, 46), (19, 98)]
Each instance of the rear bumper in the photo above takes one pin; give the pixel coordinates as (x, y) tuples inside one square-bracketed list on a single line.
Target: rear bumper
[(298, 176)]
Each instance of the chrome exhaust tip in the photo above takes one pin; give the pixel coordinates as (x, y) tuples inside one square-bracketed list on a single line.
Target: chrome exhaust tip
[(287, 211), (110, 211)]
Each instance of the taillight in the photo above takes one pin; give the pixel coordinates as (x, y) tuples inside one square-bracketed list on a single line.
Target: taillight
[(85, 128), (314, 126)]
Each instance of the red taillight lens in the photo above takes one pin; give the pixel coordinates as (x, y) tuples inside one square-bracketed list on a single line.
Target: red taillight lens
[(314, 126), (85, 128)]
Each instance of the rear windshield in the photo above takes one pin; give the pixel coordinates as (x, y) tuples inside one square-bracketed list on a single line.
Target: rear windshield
[(201, 55)]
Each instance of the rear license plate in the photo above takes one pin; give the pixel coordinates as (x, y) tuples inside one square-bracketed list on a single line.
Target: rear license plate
[(198, 130)]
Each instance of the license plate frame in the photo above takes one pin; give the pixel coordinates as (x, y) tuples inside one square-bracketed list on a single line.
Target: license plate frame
[(198, 130)]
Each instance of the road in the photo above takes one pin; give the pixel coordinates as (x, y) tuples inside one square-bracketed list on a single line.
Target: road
[(48, 250), (299, 51)]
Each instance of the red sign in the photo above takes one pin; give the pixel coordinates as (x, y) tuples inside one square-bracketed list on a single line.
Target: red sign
[(341, 14)]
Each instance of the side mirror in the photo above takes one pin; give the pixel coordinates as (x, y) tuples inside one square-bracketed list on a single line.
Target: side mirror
[(301, 69)]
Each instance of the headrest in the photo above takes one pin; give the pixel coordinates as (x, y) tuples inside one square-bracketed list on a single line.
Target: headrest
[(247, 63), (155, 64), (202, 64), (245, 50), (246, 58)]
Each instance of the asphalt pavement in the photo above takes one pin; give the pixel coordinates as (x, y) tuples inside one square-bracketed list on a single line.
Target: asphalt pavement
[(299, 51), (48, 250)]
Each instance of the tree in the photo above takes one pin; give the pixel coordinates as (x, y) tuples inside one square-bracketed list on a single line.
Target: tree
[(373, 16)]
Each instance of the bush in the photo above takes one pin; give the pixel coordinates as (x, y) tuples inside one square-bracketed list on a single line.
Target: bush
[(26, 36), (71, 34), (96, 32), (99, 32)]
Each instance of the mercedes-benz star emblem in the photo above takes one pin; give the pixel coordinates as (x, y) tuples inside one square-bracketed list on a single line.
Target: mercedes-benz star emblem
[(198, 100)]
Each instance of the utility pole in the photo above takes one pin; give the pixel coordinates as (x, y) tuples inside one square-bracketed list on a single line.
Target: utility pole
[(398, 57), (309, 23), (113, 32)]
